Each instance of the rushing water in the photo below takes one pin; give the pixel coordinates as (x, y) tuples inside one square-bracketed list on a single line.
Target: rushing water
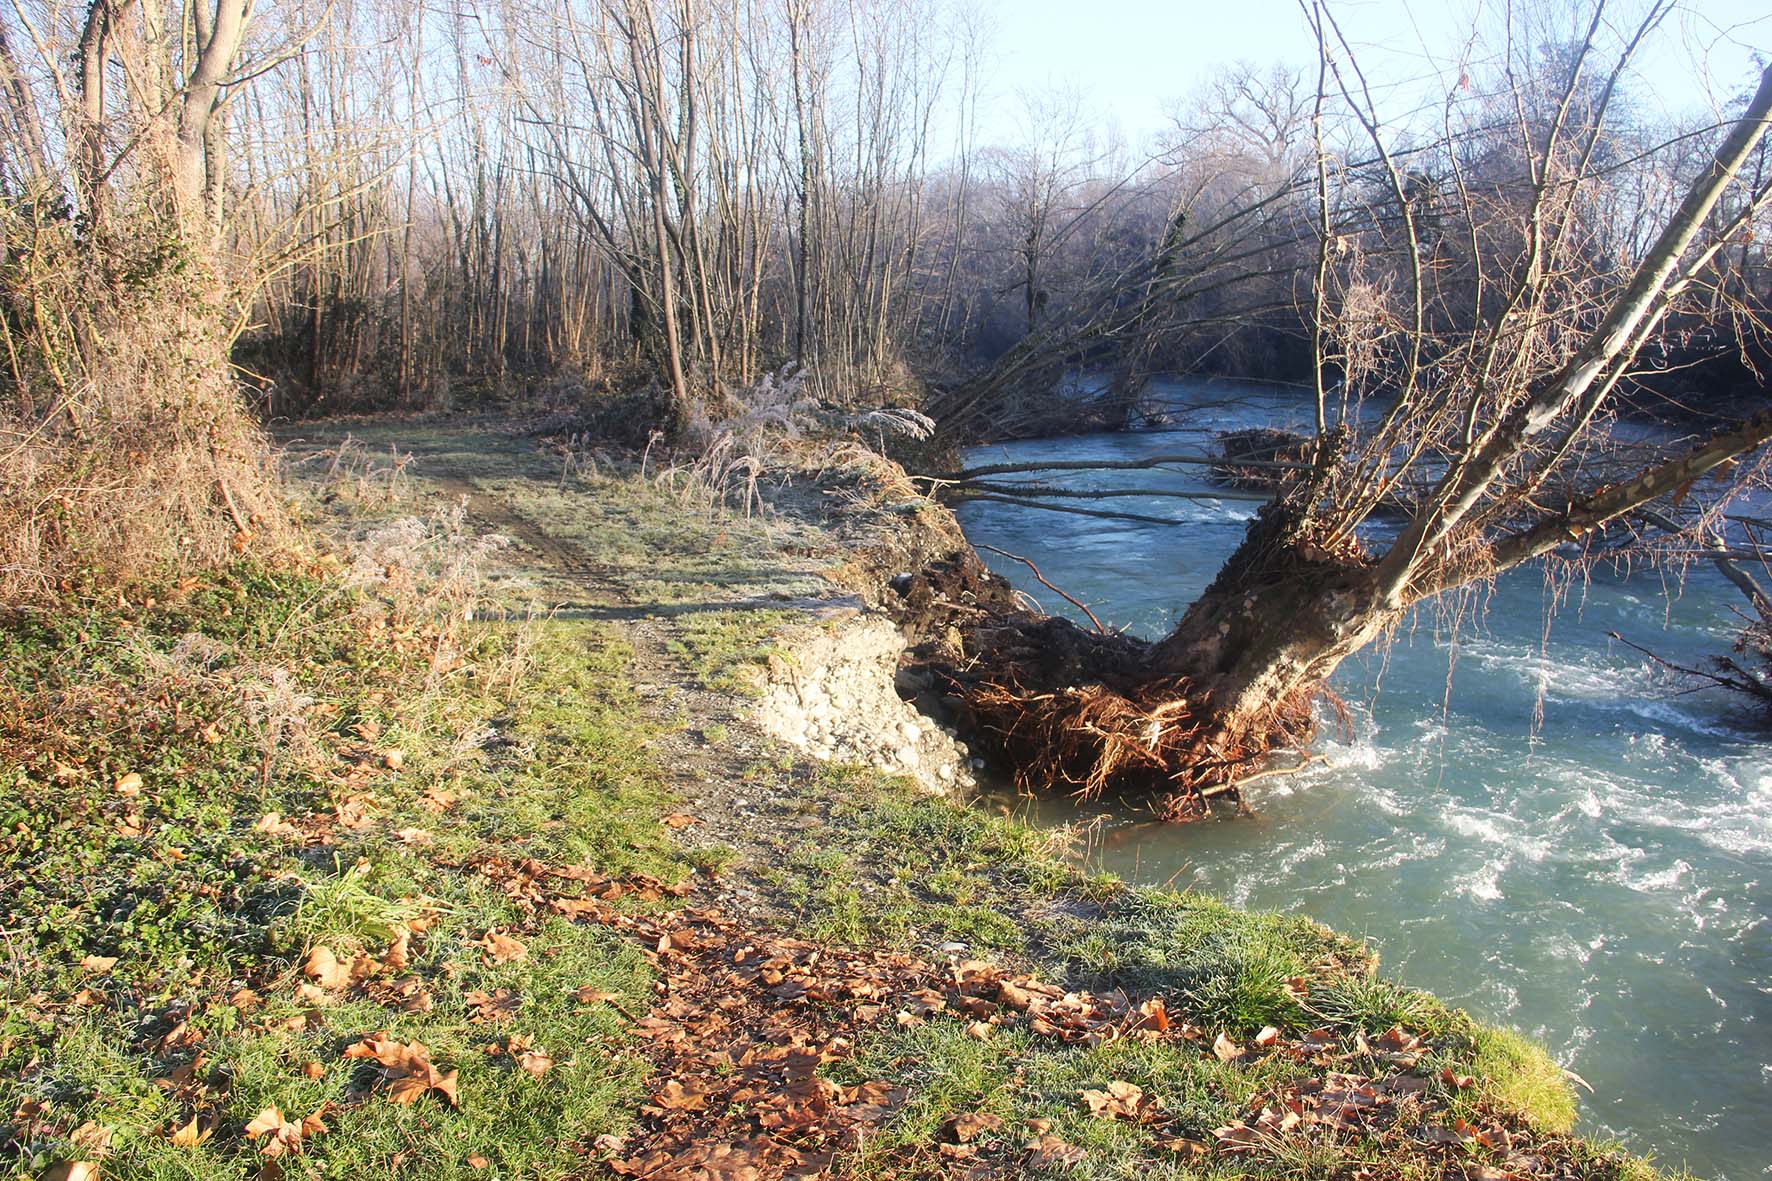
[(1527, 818)]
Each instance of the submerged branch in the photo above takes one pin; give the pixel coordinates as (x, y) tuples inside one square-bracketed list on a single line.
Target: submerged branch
[(1004, 469), (1104, 514), (1075, 602), (1046, 490)]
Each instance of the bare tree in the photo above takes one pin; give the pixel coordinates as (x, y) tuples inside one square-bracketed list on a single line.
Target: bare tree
[(1479, 406)]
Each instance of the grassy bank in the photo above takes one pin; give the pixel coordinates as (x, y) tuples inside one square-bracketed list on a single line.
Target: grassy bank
[(341, 871)]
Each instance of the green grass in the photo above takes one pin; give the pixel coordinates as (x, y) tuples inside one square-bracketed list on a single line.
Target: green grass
[(729, 650), (256, 692), (178, 882), (887, 864), (890, 865)]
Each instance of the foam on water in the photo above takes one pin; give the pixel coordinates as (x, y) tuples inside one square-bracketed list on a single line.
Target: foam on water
[(1599, 876)]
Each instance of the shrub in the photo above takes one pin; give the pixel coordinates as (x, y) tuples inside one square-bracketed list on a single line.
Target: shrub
[(126, 450)]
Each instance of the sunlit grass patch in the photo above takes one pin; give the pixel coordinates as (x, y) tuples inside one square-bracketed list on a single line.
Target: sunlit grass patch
[(729, 651), (166, 883)]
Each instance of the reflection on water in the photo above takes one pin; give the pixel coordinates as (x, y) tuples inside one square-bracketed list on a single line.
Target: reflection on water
[(1600, 877)]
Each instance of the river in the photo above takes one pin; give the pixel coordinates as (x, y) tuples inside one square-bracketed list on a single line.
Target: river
[(1527, 817)]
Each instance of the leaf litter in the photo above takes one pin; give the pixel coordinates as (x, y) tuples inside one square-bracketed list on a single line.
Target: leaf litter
[(746, 1021)]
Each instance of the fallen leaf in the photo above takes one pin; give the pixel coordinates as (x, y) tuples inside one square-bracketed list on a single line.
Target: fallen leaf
[(673, 1096), (398, 956), (679, 820), (323, 968), (1267, 1037), (968, 1127), (129, 785), (72, 1170), (285, 1136), (93, 1139), (1050, 1152), (273, 824), (1182, 1146), (1226, 1049), (502, 949), (407, 1068), (476, 1161), (1121, 1100), (99, 963), (492, 1008), (535, 1062), (437, 799), (190, 1135)]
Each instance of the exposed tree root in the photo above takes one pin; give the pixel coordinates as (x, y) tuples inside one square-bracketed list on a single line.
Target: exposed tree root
[(1081, 712)]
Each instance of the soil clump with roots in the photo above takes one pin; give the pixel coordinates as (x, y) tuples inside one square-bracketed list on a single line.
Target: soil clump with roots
[(1064, 708)]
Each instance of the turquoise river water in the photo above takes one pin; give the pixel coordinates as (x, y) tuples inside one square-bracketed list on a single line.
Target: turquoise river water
[(1528, 818)]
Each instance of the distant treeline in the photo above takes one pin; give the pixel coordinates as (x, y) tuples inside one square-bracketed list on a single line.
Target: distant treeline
[(432, 204)]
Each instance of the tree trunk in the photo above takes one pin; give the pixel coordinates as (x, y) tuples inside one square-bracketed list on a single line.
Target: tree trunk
[(1272, 627)]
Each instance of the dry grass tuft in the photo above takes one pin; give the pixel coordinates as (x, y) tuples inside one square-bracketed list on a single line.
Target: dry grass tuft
[(126, 450)]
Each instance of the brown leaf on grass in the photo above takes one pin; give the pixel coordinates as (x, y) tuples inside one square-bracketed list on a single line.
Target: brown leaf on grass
[(1267, 1037), (1455, 1080), (273, 824), (492, 1008), (98, 964), (680, 820), (71, 1170), (1237, 1137), (502, 949), (535, 1062), (398, 957), (405, 1090), (1014, 996), (129, 785), (1120, 1100), (92, 1139), (476, 1161), (353, 811), (407, 1069), (1226, 1050), (1435, 1134), (285, 1135), (1153, 1015), (325, 970), (593, 996), (437, 799), (964, 1129), (1050, 1152), (192, 1134)]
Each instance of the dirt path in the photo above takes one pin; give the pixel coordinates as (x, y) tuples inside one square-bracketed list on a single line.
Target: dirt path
[(707, 742)]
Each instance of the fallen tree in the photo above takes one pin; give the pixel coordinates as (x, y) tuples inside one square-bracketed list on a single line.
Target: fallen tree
[(1500, 424)]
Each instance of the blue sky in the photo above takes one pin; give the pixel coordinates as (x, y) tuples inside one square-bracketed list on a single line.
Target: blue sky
[(1128, 58)]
